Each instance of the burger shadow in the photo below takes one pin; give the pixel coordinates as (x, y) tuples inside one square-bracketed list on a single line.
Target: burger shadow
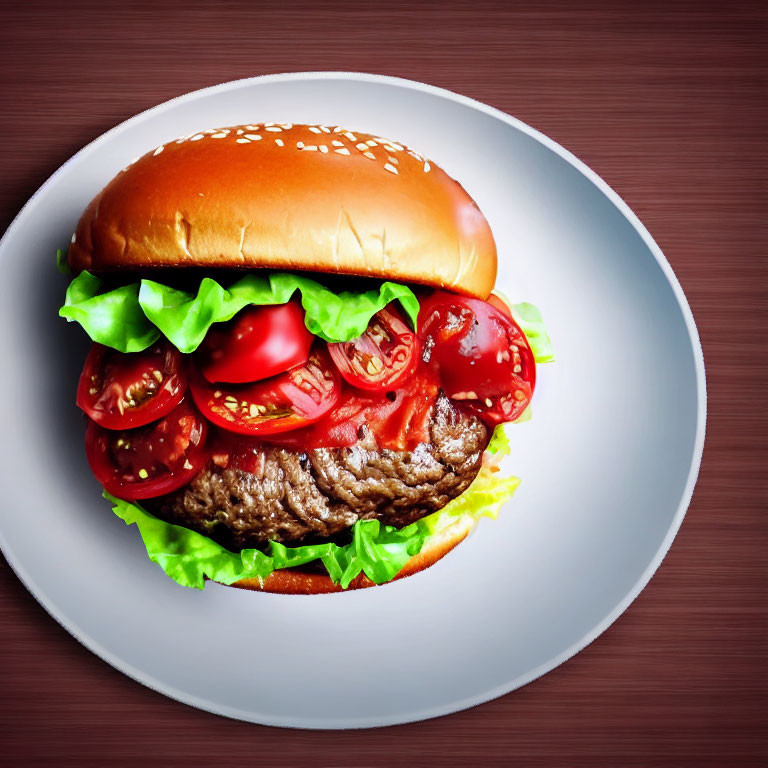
[(53, 435), (62, 348)]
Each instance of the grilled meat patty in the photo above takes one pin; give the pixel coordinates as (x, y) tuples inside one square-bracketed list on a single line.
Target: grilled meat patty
[(294, 497)]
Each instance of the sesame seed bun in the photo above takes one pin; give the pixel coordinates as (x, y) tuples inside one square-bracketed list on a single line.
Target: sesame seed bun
[(297, 582), (295, 197)]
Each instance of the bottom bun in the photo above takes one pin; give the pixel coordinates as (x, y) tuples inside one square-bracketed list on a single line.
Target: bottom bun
[(298, 582)]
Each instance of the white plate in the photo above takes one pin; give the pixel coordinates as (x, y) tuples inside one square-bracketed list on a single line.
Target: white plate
[(608, 462)]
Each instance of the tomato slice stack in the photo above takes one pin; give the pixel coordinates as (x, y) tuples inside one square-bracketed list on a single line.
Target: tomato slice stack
[(263, 375), (142, 439)]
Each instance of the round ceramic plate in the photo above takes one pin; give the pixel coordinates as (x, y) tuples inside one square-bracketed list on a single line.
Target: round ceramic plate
[(608, 462)]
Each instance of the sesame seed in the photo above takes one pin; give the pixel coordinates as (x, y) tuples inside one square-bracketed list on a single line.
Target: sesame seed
[(426, 167), (393, 160), (197, 137), (362, 147), (279, 142), (464, 396), (343, 151), (351, 136), (273, 128), (338, 129), (266, 125), (158, 151), (370, 154), (287, 126), (323, 148), (299, 145), (488, 401), (253, 136), (391, 168), (337, 143), (242, 141), (372, 143), (219, 136), (310, 148), (240, 131), (314, 129), (73, 238), (324, 128), (187, 464), (374, 365), (252, 127)]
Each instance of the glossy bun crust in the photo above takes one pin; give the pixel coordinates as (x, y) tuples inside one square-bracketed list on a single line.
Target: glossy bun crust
[(297, 582), (281, 196)]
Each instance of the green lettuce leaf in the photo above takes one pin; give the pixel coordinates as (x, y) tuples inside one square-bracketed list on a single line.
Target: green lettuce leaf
[(484, 498), (379, 551), (186, 556), (113, 318), (185, 319), (499, 443), (528, 317), (132, 317)]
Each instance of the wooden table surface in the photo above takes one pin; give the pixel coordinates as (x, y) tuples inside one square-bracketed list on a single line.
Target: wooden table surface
[(668, 103)]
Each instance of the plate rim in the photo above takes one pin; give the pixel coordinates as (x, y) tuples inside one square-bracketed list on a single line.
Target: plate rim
[(471, 701)]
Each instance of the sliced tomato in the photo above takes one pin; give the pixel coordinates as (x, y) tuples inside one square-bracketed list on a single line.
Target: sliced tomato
[(382, 358), (287, 401), (151, 460), (481, 354), (121, 391), (399, 420), (258, 343)]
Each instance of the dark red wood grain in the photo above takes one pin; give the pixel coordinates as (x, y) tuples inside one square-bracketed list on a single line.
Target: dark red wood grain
[(668, 103)]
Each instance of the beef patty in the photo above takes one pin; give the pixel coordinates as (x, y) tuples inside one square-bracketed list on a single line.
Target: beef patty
[(295, 497)]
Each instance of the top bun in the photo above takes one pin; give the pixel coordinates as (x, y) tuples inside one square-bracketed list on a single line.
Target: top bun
[(298, 197)]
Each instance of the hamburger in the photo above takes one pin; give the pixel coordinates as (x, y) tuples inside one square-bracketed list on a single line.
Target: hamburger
[(300, 373)]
